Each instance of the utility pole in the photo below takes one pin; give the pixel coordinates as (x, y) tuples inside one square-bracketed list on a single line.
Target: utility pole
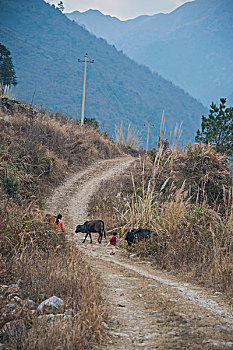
[(148, 133), (84, 83)]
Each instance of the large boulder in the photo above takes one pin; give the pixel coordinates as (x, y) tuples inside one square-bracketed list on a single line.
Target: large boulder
[(51, 305)]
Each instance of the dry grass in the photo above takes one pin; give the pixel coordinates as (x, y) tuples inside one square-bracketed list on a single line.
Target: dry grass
[(128, 140), (172, 317), (37, 151), (186, 198), (6, 91), (66, 274), (56, 141)]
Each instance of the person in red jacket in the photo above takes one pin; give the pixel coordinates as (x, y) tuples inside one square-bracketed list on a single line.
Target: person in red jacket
[(59, 224), (112, 242)]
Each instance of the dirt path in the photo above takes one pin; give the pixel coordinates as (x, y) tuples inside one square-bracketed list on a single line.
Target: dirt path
[(148, 308)]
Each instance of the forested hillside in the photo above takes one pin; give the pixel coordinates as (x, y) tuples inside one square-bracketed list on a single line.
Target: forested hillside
[(45, 47), (191, 46)]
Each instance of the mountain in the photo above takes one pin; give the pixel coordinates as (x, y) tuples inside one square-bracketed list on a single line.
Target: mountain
[(45, 46), (191, 46), (95, 22)]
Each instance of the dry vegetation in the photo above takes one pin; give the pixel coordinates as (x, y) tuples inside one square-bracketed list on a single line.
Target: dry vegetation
[(186, 198), (127, 141), (65, 273), (37, 151)]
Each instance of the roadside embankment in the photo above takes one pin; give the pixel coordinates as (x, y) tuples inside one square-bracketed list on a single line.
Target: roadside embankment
[(38, 151)]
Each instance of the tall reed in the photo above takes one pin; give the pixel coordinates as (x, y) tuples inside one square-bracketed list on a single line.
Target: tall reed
[(6, 91), (130, 139), (186, 198)]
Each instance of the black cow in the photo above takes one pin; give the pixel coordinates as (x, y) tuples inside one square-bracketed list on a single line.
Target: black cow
[(92, 226), (138, 234)]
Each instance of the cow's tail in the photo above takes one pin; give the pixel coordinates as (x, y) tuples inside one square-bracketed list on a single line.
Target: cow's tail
[(104, 230)]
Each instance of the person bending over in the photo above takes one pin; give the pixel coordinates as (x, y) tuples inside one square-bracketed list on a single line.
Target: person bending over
[(112, 242), (59, 224)]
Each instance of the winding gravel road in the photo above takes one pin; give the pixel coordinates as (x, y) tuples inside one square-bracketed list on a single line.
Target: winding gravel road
[(148, 308)]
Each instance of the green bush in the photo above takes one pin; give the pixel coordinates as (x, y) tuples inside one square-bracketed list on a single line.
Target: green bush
[(10, 186), (90, 121)]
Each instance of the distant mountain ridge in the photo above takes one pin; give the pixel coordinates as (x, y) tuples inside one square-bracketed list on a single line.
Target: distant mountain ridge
[(94, 21), (191, 46), (103, 26), (45, 47)]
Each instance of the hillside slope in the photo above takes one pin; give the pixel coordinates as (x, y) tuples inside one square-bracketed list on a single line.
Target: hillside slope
[(45, 46), (37, 152), (191, 46)]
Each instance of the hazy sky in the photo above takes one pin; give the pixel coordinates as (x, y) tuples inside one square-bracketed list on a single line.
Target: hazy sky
[(123, 9)]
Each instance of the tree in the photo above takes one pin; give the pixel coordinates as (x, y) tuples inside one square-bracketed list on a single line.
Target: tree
[(60, 6), (7, 72), (217, 128)]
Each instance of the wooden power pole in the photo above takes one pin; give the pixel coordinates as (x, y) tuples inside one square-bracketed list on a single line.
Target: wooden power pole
[(84, 84), (148, 133)]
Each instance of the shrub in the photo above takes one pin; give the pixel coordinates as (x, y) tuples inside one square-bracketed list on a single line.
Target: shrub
[(10, 185), (89, 121), (186, 198)]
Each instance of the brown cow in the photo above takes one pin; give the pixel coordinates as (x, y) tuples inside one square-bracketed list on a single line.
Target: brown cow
[(50, 219)]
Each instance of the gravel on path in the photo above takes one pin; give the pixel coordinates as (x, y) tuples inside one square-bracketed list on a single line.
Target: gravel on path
[(148, 308)]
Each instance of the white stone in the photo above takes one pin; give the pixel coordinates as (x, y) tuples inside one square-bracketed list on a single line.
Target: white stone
[(106, 326), (30, 304), (51, 305)]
